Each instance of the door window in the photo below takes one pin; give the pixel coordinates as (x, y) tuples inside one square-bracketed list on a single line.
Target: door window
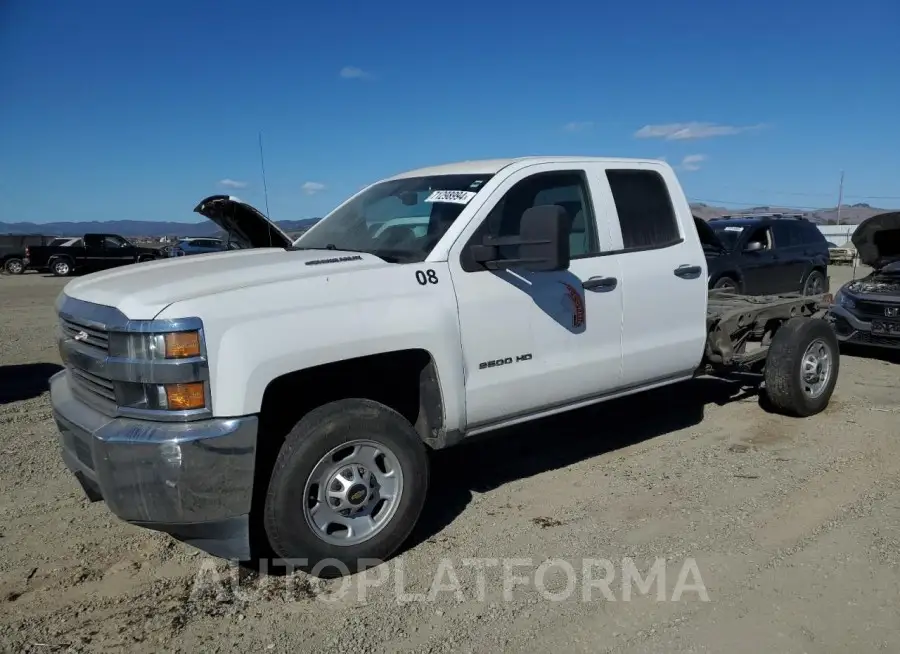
[(761, 235), (113, 242), (646, 214), (566, 189)]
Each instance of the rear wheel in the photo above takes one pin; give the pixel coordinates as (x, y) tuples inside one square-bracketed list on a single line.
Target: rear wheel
[(802, 367), (814, 284), (14, 266), (349, 484)]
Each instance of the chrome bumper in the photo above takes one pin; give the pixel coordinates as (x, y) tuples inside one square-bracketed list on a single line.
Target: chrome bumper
[(193, 480)]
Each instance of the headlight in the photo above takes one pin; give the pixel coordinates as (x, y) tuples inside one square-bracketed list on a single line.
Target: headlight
[(844, 300), (161, 372), (154, 347)]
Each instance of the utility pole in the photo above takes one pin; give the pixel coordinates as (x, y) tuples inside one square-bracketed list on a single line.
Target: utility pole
[(840, 198)]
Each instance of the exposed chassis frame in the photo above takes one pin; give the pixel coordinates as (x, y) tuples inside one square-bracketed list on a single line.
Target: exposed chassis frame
[(733, 321)]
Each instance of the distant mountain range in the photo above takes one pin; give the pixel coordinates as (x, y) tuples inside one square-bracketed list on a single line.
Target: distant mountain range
[(136, 228), (850, 215)]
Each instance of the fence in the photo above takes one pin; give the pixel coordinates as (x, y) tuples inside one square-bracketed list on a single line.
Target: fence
[(837, 234)]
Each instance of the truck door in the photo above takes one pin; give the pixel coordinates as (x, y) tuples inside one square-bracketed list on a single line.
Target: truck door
[(534, 341), (94, 253), (663, 274), (117, 251)]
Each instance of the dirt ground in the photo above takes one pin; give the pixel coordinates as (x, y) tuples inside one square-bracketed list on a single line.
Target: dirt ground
[(793, 526)]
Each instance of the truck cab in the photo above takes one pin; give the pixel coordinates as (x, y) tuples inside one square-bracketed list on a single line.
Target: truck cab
[(291, 391)]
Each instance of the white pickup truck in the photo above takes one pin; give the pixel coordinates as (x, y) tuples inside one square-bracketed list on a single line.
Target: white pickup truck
[(290, 393)]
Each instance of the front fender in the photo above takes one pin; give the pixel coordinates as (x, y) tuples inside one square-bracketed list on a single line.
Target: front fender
[(256, 335)]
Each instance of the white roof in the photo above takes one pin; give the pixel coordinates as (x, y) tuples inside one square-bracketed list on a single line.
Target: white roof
[(493, 166)]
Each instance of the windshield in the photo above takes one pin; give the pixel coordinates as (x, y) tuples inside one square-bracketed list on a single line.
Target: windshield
[(728, 234), (398, 220)]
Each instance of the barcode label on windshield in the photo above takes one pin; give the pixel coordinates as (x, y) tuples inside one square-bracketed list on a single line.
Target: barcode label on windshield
[(456, 197)]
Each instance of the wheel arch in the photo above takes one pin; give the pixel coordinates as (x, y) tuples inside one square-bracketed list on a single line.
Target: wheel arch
[(407, 381)]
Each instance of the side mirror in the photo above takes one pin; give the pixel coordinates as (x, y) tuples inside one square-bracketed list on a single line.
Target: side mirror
[(543, 243), (753, 246)]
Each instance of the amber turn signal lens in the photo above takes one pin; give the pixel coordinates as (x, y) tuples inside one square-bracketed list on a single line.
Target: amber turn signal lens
[(184, 397), (180, 345)]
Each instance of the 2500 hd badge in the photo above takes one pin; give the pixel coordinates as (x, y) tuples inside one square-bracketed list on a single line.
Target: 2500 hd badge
[(503, 362)]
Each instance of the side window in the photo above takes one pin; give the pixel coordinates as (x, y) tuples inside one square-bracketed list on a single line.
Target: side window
[(810, 234), (645, 209), (762, 235), (113, 242), (565, 189)]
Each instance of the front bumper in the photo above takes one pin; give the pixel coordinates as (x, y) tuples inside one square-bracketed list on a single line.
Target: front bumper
[(193, 480), (850, 329)]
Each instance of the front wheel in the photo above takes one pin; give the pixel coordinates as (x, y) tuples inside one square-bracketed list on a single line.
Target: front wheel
[(61, 268), (802, 367), (349, 485)]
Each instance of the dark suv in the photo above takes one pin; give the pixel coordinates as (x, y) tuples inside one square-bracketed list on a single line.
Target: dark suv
[(762, 255)]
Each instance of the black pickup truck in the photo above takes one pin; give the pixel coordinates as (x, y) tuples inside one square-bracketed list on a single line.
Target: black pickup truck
[(98, 252)]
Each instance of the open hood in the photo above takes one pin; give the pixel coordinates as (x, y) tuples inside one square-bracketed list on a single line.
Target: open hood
[(244, 223), (877, 239)]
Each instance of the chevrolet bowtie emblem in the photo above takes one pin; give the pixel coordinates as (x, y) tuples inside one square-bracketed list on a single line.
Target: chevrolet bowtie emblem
[(80, 336)]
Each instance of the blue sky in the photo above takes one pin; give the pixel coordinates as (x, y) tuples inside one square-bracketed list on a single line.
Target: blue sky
[(137, 110)]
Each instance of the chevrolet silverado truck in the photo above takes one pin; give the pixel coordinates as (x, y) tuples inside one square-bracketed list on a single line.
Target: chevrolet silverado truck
[(290, 394), (91, 253)]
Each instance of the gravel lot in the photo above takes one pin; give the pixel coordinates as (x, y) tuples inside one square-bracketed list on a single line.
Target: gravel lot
[(794, 526)]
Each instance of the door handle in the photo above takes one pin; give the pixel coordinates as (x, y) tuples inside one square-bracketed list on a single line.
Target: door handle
[(688, 272), (600, 284)]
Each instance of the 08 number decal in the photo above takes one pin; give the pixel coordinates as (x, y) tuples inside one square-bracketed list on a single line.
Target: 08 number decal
[(426, 277)]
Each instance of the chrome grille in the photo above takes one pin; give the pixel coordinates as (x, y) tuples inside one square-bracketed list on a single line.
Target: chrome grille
[(95, 337), (92, 338), (94, 383)]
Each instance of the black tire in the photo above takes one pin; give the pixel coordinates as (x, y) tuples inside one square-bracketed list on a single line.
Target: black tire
[(785, 386), (315, 435), (727, 283), (815, 283), (14, 266), (61, 267)]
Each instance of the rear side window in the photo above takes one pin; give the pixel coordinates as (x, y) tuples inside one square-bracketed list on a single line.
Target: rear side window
[(645, 209), (809, 233), (786, 235)]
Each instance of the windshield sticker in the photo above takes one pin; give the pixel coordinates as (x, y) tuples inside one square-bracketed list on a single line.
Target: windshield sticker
[(734, 229), (454, 197)]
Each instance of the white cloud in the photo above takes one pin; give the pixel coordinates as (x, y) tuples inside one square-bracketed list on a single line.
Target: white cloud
[(232, 183), (692, 162), (578, 126), (693, 130), (311, 188), (352, 72)]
